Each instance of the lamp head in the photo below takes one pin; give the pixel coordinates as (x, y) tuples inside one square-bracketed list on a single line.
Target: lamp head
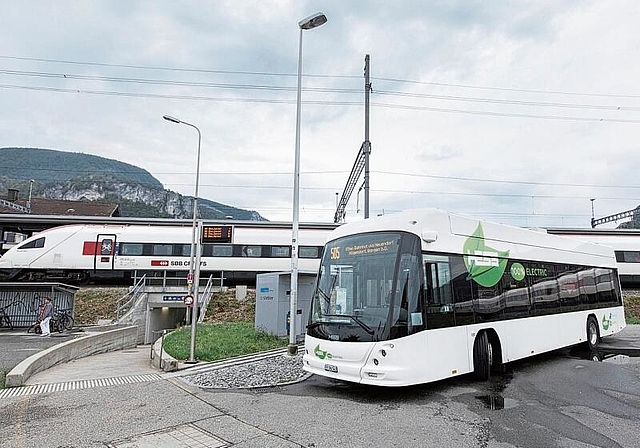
[(170, 118), (313, 21)]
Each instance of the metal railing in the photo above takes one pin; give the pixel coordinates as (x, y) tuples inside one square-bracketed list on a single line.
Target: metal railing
[(166, 281), (205, 298), (14, 206), (125, 303)]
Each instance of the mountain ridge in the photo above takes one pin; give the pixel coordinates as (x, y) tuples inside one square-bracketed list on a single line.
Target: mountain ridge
[(78, 176)]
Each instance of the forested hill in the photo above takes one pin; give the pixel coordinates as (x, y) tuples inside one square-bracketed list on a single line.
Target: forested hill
[(47, 165), (77, 177)]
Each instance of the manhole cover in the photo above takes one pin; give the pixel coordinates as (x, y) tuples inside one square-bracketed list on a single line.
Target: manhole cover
[(183, 436)]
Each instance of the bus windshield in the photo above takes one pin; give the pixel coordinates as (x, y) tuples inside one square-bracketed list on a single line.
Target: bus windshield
[(369, 288)]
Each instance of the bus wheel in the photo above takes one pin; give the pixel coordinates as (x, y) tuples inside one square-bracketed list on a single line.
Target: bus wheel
[(593, 333), (482, 356)]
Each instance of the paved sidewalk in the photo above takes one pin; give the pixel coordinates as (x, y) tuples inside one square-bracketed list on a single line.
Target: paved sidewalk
[(129, 362)]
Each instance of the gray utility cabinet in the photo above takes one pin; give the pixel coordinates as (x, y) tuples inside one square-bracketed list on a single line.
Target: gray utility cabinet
[(273, 302)]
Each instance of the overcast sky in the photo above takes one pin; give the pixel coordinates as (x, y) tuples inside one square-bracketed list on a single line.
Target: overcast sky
[(514, 111)]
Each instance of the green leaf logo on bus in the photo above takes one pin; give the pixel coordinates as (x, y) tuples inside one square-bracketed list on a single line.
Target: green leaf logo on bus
[(322, 354), (484, 264)]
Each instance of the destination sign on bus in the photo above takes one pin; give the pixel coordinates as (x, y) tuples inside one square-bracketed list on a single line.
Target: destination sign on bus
[(216, 234), (370, 248)]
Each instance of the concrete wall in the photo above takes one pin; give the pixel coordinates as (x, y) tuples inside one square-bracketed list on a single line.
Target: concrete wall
[(161, 360), (107, 341)]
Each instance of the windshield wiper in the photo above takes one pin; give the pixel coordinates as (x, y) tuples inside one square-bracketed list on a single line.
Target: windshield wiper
[(356, 319), (324, 295), (315, 324)]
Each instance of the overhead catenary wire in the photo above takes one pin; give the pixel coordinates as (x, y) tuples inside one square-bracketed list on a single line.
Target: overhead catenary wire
[(279, 88), (320, 102), (310, 75)]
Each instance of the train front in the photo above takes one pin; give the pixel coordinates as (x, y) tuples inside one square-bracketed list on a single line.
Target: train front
[(366, 310), (7, 269)]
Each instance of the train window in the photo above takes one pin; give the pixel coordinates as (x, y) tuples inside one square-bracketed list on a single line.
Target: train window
[(280, 251), (628, 256), (252, 251), (35, 244), (222, 251), (162, 249), (130, 249), (309, 252), (182, 250)]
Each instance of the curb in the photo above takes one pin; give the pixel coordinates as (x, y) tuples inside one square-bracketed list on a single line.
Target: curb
[(160, 359)]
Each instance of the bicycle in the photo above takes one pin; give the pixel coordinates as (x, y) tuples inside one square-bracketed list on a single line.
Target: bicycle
[(56, 323), (35, 328), (65, 319), (5, 320)]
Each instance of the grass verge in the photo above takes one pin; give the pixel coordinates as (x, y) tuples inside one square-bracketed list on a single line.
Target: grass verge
[(220, 341), (2, 379), (632, 309)]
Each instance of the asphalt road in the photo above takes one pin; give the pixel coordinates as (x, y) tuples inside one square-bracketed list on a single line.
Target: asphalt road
[(17, 345), (554, 400)]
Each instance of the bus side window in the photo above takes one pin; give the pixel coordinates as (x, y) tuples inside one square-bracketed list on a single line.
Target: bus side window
[(438, 296), (464, 291)]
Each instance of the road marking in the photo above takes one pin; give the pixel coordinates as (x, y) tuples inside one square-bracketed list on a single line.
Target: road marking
[(76, 385)]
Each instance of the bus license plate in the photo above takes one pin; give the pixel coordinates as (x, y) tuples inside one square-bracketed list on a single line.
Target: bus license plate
[(331, 368)]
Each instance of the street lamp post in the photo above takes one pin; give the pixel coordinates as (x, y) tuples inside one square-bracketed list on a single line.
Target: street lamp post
[(31, 181), (308, 23), (195, 278)]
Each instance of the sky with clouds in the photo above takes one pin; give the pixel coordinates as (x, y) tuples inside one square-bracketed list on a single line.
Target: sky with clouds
[(515, 111)]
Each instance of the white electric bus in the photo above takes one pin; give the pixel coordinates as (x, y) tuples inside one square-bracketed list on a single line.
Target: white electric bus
[(425, 295)]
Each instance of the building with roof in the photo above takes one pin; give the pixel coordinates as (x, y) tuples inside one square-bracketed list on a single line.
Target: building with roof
[(14, 233)]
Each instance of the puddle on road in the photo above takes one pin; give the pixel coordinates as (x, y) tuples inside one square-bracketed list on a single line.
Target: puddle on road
[(495, 399), (620, 359), (617, 357), (497, 402)]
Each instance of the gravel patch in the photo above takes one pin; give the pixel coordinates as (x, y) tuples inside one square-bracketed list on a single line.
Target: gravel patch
[(273, 371)]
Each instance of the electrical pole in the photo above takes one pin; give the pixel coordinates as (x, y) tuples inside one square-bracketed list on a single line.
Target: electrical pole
[(367, 143)]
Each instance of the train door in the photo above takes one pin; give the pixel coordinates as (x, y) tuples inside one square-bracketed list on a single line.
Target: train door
[(105, 252)]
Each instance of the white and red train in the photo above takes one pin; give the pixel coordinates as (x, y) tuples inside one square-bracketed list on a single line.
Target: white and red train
[(85, 252), (236, 250)]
